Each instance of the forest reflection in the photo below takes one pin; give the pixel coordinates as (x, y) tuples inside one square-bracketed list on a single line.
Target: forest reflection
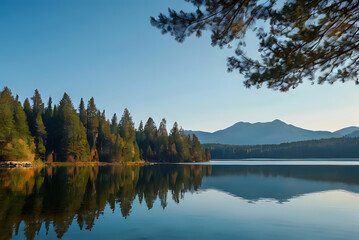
[(58, 195)]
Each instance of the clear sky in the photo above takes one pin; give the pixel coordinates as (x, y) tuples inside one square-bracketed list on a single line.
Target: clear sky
[(109, 50)]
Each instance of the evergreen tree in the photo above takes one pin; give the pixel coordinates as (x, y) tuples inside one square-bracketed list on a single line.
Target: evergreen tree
[(92, 123), (40, 137), (163, 140), (50, 126), (48, 112), (150, 132), (37, 104), (126, 126), (21, 124), (303, 40), (27, 107), (7, 126), (114, 124), (28, 112), (73, 143), (196, 150), (140, 137), (37, 126), (163, 128), (174, 140), (58, 134), (104, 139), (128, 133), (149, 153), (83, 113), (183, 146)]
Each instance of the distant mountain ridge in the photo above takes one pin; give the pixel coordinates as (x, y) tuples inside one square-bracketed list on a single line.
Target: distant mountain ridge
[(275, 132)]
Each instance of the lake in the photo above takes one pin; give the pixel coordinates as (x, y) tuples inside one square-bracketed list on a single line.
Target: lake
[(217, 200)]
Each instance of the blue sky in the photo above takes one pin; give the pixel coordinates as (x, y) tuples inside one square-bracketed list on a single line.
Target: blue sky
[(109, 50)]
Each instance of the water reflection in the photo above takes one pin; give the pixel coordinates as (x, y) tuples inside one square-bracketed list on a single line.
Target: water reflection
[(58, 196), (281, 183)]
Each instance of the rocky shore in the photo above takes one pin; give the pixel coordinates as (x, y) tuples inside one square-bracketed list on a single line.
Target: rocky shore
[(12, 164)]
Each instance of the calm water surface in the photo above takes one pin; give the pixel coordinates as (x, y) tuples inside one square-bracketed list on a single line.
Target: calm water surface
[(212, 201)]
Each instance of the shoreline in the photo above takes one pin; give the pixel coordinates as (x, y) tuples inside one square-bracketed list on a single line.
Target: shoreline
[(16, 164), (27, 164)]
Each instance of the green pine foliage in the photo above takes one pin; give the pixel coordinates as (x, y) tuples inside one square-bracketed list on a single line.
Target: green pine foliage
[(63, 134), (297, 40), (157, 145), (40, 137), (92, 123), (21, 124), (83, 113), (15, 140), (128, 132), (73, 145)]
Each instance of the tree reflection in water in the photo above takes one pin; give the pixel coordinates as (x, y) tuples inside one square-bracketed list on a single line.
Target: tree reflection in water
[(58, 195)]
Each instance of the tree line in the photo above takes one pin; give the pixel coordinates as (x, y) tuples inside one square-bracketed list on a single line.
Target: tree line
[(62, 133), (324, 148)]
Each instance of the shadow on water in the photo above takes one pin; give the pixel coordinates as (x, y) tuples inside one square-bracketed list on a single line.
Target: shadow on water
[(59, 196)]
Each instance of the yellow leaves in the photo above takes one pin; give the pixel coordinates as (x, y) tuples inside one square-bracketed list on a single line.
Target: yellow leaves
[(7, 149), (173, 149), (18, 150)]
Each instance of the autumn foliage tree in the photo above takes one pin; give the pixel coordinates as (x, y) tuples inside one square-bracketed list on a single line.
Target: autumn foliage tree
[(15, 140)]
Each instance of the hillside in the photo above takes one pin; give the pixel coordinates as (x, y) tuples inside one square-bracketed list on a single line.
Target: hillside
[(325, 148), (275, 132)]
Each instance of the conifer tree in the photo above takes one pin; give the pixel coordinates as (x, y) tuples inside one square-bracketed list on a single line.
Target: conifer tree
[(28, 112), (58, 134), (150, 132), (104, 139), (50, 121), (301, 40), (163, 140), (83, 113), (37, 104), (6, 117), (21, 124), (183, 146), (40, 137), (48, 112), (196, 149), (149, 153), (37, 126), (128, 133), (114, 124), (174, 140), (127, 127), (140, 137), (73, 143), (92, 123)]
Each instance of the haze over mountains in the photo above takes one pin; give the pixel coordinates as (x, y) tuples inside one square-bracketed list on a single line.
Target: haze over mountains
[(275, 132)]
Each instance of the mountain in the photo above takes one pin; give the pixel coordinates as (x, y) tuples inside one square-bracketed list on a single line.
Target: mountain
[(275, 132), (347, 131), (353, 134)]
